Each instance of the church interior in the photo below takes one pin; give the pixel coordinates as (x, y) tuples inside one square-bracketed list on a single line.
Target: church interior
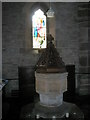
[(26, 65)]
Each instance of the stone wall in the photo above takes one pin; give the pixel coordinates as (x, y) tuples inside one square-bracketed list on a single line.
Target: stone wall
[(84, 73), (67, 32), (17, 39), (0, 59), (0, 41)]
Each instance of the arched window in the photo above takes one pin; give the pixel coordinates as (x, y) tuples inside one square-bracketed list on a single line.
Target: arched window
[(39, 29)]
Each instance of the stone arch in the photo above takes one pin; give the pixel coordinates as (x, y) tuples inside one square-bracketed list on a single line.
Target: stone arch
[(29, 10)]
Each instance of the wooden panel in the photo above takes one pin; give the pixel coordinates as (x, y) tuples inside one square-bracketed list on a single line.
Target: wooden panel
[(27, 82)]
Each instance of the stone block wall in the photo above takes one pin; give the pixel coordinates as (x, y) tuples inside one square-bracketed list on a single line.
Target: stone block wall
[(84, 46), (17, 37), (0, 58), (16, 49), (67, 32), (0, 41)]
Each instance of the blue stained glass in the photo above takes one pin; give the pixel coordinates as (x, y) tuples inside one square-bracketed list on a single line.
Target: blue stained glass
[(35, 32), (43, 23)]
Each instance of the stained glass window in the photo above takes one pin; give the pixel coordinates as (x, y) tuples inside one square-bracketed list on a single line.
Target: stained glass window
[(39, 29)]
